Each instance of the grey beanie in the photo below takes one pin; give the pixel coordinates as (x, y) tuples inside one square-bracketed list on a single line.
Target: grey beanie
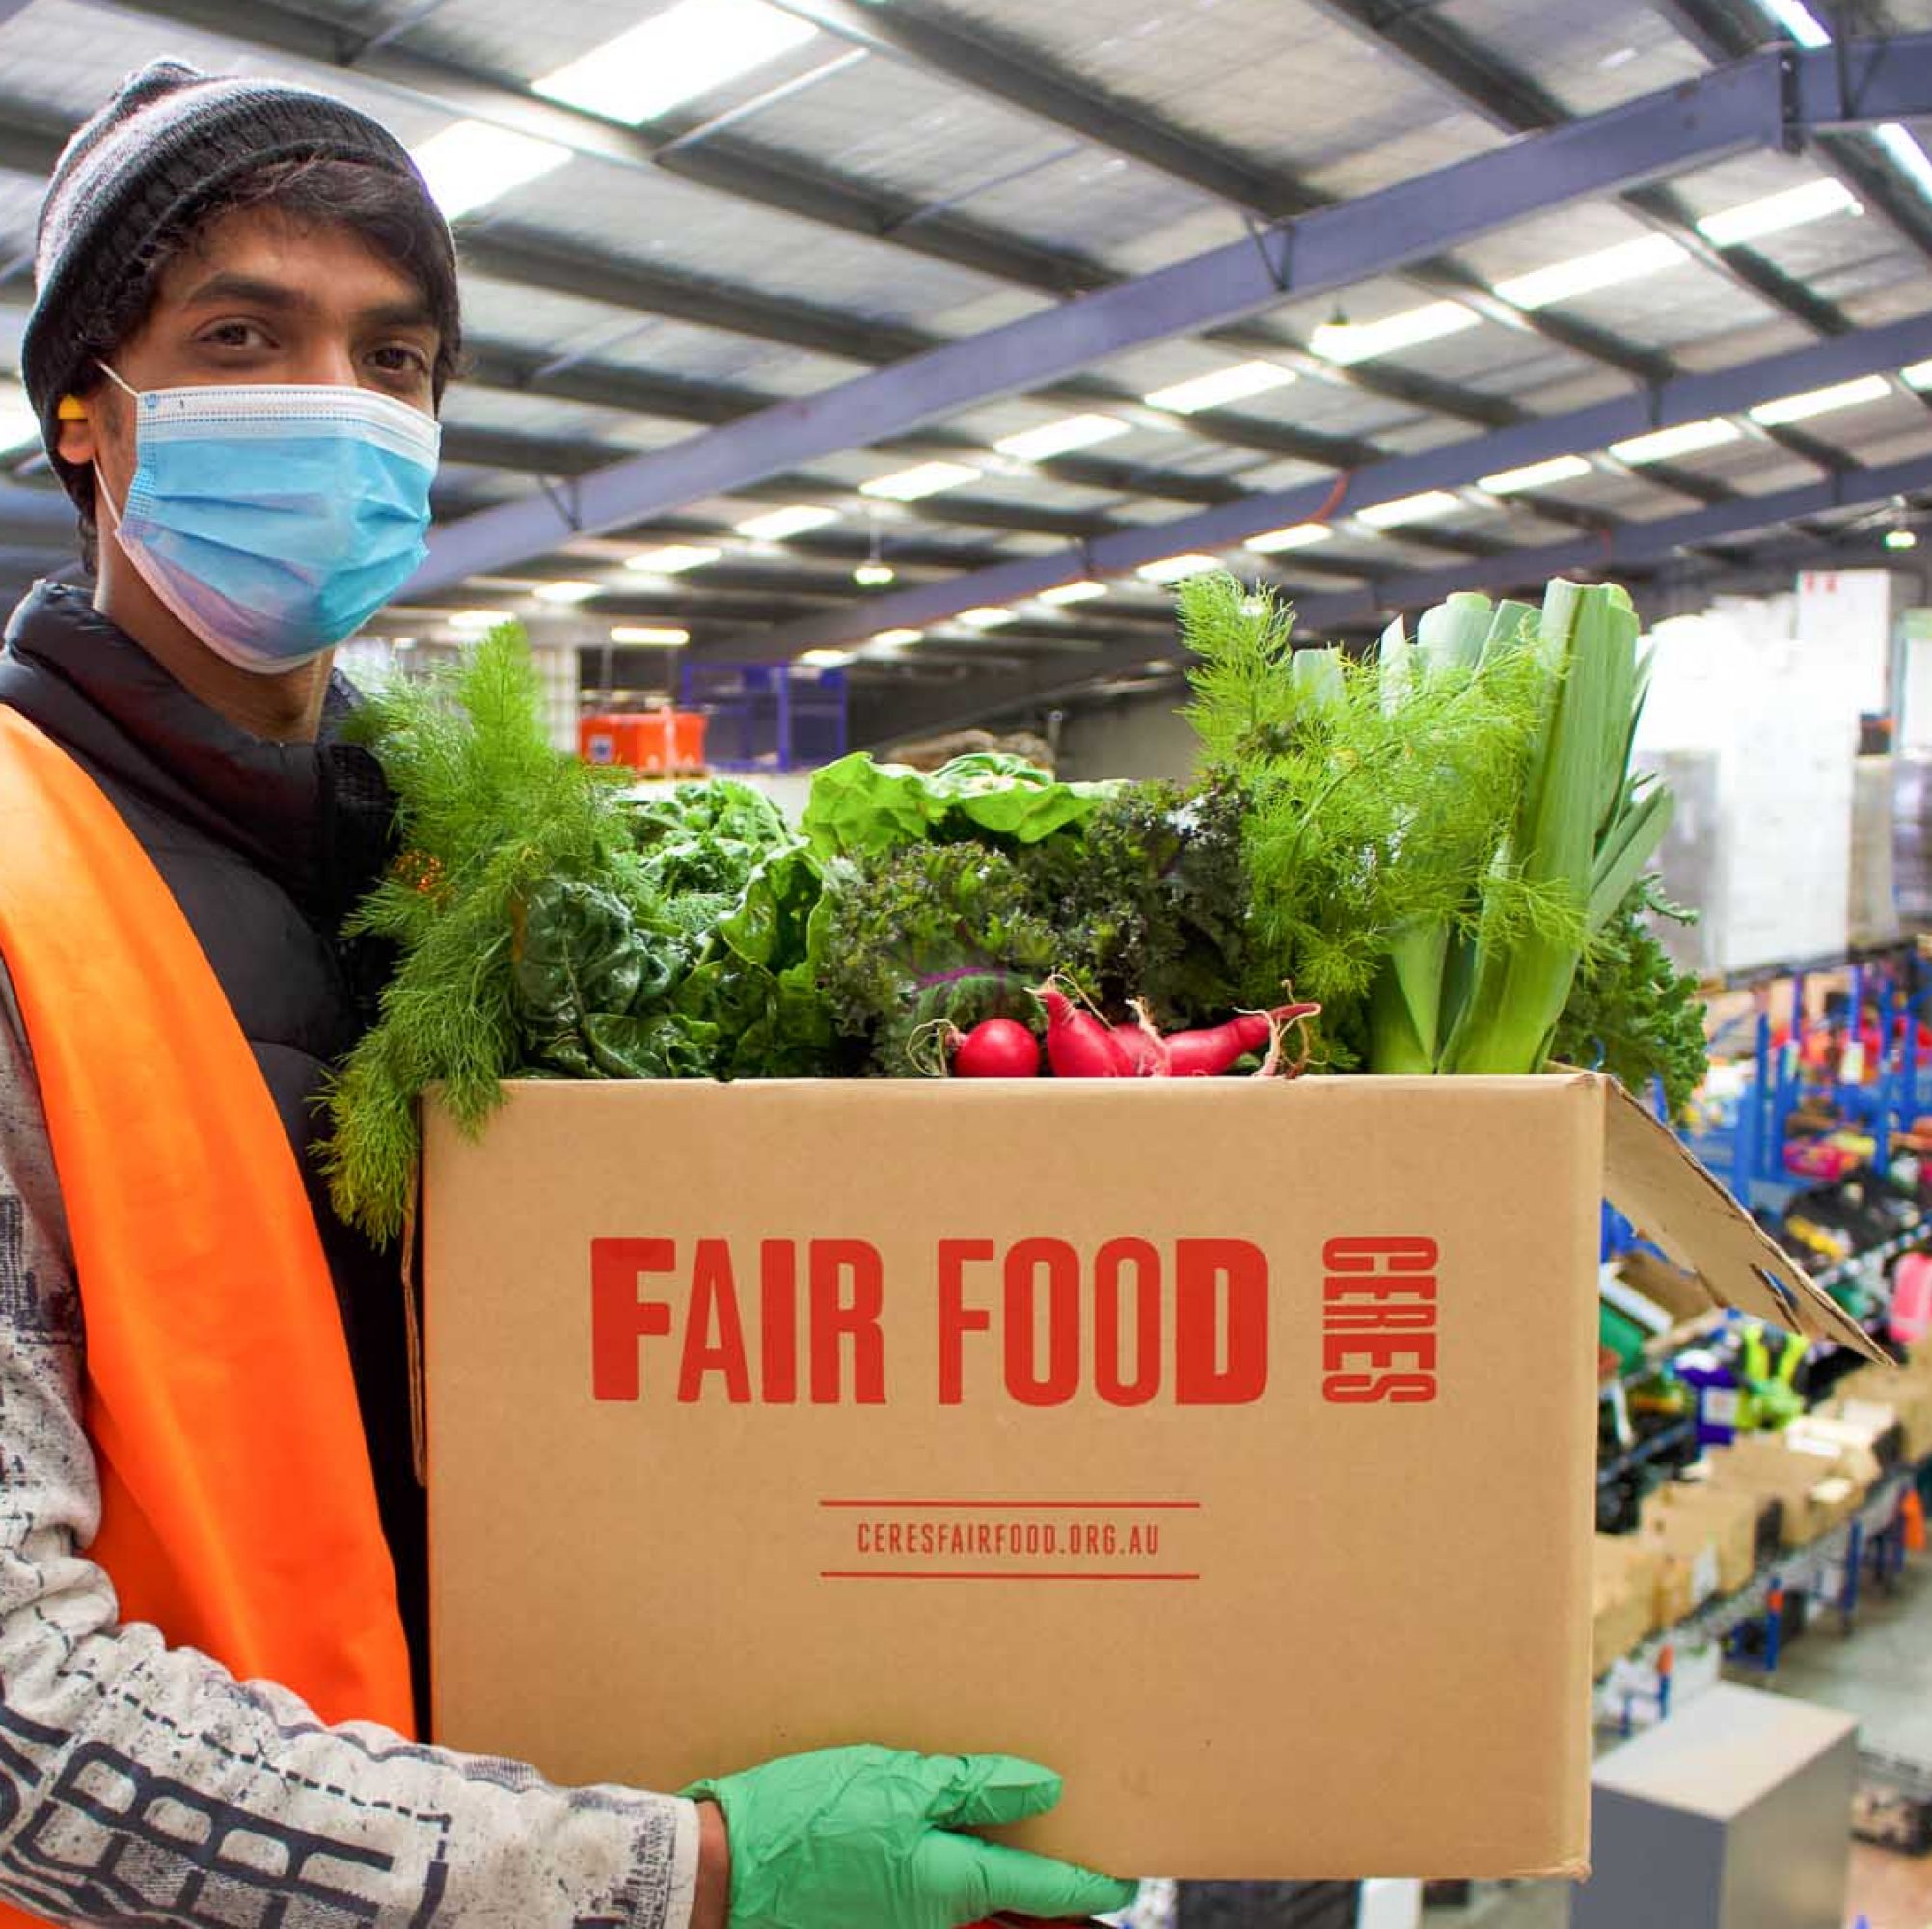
[(167, 143)]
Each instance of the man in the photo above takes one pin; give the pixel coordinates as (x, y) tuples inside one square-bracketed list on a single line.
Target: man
[(211, 1542)]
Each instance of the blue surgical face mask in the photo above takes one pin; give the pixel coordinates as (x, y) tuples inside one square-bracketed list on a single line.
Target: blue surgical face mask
[(276, 519)]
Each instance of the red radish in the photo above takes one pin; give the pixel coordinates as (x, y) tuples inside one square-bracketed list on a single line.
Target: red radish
[(1145, 1047), (1079, 1045), (997, 1048), (1207, 1053)]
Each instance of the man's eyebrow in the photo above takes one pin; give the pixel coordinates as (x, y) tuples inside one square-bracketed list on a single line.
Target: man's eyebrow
[(398, 314), (253, 291)]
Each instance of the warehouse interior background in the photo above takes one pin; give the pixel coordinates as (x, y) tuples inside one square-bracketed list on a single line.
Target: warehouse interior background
[(866, 375)]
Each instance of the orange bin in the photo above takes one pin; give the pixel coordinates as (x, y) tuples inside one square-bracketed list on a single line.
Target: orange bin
[(658, 742)]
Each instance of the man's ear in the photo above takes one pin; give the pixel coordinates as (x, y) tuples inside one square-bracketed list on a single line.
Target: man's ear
[(79, 442)]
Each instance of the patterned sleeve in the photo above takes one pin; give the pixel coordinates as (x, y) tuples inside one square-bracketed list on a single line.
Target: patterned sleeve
[(142, 1784)]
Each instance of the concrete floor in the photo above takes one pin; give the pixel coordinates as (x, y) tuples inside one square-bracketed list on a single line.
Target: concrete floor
[(1881, 1673)]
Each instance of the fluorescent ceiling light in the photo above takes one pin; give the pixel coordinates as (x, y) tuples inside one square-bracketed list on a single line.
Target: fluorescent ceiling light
[(1900, 539), (1918, 375), (895, 639), (826, 659), (472, 163), (926, 479), (1584, 274), (648, 634), (1421, 508), (1224, 386), (1296, 536), (1822, 402), (1059, 438), (777, 524), (874, 575), (1348, 341), (1073, 592), (1534, 475), (687, 50), (672, 559), (988, 616), (1686, 438), (567, 590), (1797, 20), (1776, 213), (1176, 568), (477, 619), (1909, 156)]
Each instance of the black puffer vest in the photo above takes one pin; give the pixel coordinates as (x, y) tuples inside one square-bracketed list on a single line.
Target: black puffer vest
[(266, 847)]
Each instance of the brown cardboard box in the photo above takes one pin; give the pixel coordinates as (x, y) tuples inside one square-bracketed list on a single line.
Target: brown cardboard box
[(1623, 1597), (1818, 1489), (1907, 1389), (1690, 1541), (1222, 1444), (1730, 1518)]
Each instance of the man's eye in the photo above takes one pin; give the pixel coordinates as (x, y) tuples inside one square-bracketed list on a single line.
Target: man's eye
[(398, 358), (234, 334)]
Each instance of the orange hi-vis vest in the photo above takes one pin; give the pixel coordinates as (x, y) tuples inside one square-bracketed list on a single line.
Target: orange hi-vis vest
[(238, 1510)]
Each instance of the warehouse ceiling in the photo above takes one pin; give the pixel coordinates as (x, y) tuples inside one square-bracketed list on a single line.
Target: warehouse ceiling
[(934, 339)]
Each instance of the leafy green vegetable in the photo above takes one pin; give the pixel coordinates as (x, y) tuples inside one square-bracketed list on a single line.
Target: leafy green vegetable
[(1368, 817), (1631, 1011), (931, 932), (489, 814), (860, 807), (1148, 898)]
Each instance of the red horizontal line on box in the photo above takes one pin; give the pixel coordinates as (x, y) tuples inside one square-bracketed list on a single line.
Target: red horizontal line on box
[(969, 1574), (1082, 1507)]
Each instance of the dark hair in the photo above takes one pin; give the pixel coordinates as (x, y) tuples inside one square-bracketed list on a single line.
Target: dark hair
[(389, 211)]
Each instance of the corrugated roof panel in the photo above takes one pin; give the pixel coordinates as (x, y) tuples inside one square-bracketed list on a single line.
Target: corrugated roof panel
[(1439, 137), (513, 38), (1271, 78), (1737, 346), (1096, 204), (664, 222), (1589, 57), (1908, 438), (993, 309), (19, 212), (908, 132), (1680, 307), (1548, 239), (1894, 303)]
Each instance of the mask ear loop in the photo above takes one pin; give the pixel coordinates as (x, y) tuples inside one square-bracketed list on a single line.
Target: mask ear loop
[(102, 491)]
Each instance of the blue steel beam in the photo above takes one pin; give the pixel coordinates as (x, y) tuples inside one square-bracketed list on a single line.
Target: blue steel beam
[(1753, 103), (1628, 546), (1454, 465)]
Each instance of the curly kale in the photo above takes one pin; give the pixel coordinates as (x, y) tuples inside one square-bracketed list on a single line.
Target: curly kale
[(1631, 1011), (1150, 900), (925, 933)]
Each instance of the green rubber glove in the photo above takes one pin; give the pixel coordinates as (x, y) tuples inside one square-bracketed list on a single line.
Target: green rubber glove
[(866, 1835)]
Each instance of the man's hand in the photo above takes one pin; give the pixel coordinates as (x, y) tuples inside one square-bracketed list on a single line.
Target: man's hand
[(867, 1835)]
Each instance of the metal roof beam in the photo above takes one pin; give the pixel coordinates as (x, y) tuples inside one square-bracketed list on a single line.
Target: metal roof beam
[(1727, 30), (1452, 466), (1629, 545), (1731, 111), (1436, 50)]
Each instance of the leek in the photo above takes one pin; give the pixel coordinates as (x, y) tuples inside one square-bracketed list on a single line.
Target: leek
[(1582, 836)]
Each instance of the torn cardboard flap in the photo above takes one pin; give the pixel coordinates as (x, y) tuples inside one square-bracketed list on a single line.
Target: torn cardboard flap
[(1655, 1183)]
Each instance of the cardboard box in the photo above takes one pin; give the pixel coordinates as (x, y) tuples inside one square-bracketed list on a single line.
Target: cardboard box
[(1623, 1597), (1221, 1443), (1690, 1541), (1906, 1389), (1817, 1488), (1728, 1517)]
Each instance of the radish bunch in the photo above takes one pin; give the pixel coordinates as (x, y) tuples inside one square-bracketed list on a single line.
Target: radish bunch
[(1082, 1045)]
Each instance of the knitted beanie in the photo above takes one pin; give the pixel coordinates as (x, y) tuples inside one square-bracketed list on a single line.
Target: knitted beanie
[(165, 146)]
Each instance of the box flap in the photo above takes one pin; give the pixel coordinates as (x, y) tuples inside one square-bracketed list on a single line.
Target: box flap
[(1653, 1181)]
